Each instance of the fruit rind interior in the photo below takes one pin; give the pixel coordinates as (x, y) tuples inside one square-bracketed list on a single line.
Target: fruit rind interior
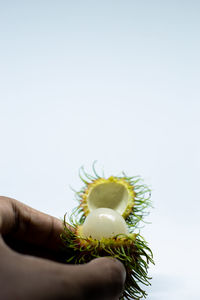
[(113, 193)]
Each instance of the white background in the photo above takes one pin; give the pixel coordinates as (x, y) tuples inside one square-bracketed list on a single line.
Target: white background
[(113, 81)]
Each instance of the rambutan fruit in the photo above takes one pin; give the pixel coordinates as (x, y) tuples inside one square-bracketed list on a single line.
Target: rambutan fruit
[(104, 223)]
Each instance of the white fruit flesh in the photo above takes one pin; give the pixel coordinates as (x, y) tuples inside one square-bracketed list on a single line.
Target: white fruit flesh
[(104, 223), (111, 195)]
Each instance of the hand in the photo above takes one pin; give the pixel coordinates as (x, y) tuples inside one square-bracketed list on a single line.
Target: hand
[(30, 261)]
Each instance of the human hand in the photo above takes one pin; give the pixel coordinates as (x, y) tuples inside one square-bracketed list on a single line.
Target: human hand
[(30, 260)]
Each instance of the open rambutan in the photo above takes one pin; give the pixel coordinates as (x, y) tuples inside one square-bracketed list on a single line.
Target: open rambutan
[(103, 224)]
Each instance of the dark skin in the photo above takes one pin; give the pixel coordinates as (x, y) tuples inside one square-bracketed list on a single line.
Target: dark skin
[(31, 261)]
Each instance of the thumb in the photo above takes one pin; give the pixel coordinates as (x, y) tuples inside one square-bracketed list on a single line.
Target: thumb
[(105, 278)]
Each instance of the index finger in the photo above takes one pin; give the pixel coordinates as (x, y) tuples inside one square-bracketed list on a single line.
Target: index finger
[(24, 223)]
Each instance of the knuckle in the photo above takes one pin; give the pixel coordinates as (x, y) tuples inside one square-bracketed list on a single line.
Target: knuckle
[(4, 199)]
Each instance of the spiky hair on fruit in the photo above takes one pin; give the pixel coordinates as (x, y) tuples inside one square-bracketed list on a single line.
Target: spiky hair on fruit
[(104, 222)]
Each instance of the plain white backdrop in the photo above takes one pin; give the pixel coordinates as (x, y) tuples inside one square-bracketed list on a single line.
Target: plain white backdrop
[(116, 82)]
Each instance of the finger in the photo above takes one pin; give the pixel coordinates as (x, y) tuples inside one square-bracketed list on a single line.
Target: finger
[(27, 277), (35, 278), (24, 223)]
